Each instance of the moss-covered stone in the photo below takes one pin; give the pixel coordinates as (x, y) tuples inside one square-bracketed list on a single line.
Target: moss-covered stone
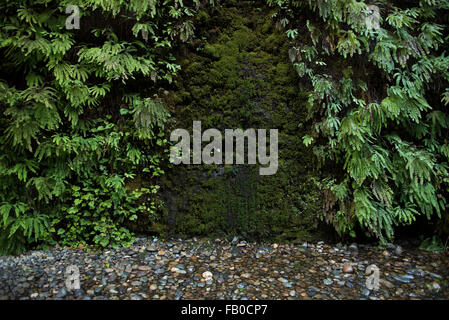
[(239, 76)]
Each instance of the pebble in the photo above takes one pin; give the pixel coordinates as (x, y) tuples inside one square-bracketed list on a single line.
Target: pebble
[(366, 292), (78, 293), (312, 291), (61, 293), (144, 268), (241, 285), (386, 283), (436, 286), (404, 278), (347, 268)]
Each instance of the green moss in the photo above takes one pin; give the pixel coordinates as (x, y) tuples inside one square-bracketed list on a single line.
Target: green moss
[(242, 79), (202, 16)]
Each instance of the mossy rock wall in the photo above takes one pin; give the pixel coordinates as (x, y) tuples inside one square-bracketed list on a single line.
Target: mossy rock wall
[(237, 75)]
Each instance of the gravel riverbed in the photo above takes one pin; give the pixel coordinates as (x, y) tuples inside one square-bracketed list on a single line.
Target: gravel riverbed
[(205, 269)]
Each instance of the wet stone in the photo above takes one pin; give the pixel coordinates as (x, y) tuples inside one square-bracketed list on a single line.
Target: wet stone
[(241, 285), (78, 293), (404, 278), (366, 292)]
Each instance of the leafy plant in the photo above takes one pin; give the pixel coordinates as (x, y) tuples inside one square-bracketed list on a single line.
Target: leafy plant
[(376, 115), (431, 244), (80, 118)]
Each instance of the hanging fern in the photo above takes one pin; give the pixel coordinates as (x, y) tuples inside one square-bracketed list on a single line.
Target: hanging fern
[(382, 127), (69, 122)]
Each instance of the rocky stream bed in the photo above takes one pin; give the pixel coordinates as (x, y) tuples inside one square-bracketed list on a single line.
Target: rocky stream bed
[(218, 269)]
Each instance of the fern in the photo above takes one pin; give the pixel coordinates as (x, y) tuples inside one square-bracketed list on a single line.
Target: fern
[(62, 124), (392, 146)]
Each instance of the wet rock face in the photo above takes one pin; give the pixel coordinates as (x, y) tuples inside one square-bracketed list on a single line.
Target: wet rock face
[(186, 270), (237, 75)]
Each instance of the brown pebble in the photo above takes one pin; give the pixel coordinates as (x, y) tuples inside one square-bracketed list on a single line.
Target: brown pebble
[(386, 283), (347, 268), (144, 268)]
